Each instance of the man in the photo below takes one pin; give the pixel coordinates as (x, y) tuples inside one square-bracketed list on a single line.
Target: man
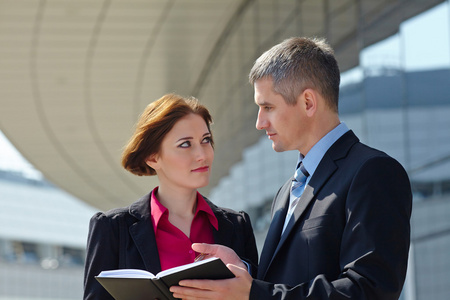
[(345, 232)]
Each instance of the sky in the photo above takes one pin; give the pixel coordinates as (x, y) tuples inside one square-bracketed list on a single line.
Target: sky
[(425, 40), (423, 43), (12, 160)]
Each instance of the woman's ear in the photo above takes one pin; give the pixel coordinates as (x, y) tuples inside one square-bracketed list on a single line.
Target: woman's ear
[(152, 161)]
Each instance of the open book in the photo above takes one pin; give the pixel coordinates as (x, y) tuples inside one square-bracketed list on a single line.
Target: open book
[(132, 284)]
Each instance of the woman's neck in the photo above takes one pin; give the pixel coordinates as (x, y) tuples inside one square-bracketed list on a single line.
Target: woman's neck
[(179, 202)]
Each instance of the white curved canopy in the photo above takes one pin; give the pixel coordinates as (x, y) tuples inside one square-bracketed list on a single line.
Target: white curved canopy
[(74, 75)]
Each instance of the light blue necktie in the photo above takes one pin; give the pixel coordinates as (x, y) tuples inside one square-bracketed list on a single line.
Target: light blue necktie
[(298, 184), (297, 187)]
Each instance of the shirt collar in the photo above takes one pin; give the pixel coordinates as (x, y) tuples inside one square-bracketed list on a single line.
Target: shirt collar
[(203, 206), (157, 210), (315, 155)]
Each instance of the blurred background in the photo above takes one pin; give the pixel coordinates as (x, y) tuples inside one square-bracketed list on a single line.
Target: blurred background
[(74, 76)]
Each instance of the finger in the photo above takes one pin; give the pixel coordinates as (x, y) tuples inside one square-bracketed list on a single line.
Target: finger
[(189, 293), (194, 289), (201, 284), (196, 295), (209, 249)]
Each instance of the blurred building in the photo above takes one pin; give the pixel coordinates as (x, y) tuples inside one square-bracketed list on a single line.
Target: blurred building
[(43, 234)]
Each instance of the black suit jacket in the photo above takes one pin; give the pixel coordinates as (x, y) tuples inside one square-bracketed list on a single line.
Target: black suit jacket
[(124, 238), (351, 234)]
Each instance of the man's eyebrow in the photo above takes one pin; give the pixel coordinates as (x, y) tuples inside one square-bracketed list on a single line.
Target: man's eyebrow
[(263, 103)]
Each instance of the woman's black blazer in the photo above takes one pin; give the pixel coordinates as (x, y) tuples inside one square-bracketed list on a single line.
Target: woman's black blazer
[(124, 238)]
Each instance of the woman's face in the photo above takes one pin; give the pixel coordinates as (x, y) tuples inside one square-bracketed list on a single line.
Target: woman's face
[(186, 154)]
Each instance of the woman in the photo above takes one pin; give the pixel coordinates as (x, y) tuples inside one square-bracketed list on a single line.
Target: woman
[(173, 141)]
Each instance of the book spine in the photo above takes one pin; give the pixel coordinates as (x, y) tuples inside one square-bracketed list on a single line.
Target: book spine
[(163, 288)]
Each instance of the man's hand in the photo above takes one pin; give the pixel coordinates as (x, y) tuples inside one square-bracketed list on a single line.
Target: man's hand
[(227, 255), (237, 288)]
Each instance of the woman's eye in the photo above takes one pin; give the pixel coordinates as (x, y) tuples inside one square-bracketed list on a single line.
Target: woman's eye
[(207, 140), (185, 144)]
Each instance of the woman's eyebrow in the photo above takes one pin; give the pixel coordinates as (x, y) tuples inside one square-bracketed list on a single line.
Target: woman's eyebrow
[(191, 138), (185, 138)]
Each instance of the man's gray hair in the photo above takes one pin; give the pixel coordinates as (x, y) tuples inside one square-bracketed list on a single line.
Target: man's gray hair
[(299, 63)]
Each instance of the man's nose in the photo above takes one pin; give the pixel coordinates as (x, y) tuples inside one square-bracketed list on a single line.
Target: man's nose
[(261, 123)]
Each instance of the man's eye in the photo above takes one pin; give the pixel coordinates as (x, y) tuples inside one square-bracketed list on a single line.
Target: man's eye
[(267, 108), (185, 144)]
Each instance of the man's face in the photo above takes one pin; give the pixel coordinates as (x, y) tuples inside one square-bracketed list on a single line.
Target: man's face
[(285, 125)]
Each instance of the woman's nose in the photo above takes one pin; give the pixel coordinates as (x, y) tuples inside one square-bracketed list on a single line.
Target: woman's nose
[(200, 153)]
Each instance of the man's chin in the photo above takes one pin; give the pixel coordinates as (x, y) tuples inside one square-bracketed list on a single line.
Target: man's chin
[(277, 148)]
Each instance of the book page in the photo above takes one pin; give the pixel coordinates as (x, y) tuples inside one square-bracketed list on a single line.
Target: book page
[(136, 273), (127, 273), (184, 267)]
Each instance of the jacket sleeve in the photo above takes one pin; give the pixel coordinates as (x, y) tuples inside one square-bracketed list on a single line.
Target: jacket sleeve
[(374, 245), (101, 254), (236, 232), (251, 251)]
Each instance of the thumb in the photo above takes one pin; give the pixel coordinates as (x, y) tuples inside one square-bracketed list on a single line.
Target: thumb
[(237, 271)]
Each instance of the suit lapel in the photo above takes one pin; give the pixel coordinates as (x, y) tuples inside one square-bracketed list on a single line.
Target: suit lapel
[(325, 169), (279, 212), (316, 182), (143, 234)]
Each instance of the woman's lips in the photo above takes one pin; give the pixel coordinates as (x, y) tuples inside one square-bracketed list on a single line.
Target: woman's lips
[(201, 169)]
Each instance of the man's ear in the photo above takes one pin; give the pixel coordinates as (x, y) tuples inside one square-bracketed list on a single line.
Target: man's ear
[(310, 99), (152, 161)]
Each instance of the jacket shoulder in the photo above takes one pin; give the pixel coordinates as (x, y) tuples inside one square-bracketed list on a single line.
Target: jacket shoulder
[(138, 209), (226, 212)]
